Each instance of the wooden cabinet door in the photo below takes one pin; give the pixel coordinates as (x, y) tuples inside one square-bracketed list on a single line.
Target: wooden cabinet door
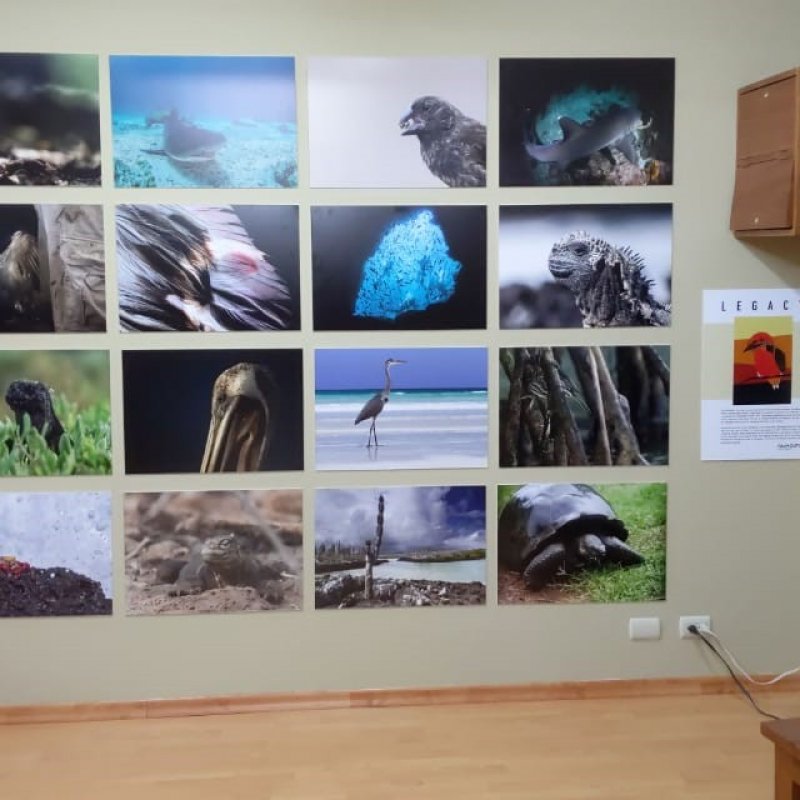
[(766, 121), (763, 197)]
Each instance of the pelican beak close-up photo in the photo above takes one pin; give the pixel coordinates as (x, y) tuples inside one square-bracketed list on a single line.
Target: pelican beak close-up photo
[(239, 433)]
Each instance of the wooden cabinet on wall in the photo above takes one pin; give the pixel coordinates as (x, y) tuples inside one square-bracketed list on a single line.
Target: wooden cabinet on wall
[(766, 199)]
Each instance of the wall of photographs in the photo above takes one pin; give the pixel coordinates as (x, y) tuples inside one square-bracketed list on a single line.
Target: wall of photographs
[(407, 379)]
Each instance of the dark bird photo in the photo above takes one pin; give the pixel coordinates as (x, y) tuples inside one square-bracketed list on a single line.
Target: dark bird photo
[(355, 105), (204, 268), (375, 404), (453, 145), (210, 411), (52, 269)]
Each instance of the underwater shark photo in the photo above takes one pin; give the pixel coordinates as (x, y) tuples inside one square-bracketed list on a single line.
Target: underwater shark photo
[(399, 267), (586, 122), (204, 121)]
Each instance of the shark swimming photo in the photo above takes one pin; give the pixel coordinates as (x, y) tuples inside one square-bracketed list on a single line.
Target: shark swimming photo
[(586, 122), (204, 121)]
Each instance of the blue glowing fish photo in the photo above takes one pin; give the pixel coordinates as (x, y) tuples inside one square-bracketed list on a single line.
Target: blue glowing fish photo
[(204, 121), (401, 408), (399, 267), (586, 121)]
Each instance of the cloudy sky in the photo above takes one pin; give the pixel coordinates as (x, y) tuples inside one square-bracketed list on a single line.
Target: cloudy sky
[(441, 517)]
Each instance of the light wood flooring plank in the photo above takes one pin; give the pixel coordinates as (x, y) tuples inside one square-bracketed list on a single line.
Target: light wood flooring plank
[(700, 748)]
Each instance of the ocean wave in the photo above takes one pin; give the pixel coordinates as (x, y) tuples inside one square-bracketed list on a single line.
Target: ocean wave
[(444, 408)]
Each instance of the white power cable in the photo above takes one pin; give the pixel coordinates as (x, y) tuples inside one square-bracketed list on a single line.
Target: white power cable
[(742, 671)]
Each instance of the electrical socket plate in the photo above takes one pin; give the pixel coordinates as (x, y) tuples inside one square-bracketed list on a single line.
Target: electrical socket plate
[(644, 628), (685, 622)]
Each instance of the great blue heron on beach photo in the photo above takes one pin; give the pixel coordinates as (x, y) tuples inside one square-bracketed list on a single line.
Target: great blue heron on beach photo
[(375, 404)]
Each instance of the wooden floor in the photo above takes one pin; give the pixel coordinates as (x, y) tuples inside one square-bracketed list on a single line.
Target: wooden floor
[(700, 748)]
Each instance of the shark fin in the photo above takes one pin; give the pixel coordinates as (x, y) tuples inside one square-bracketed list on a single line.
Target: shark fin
[(569, 127), (627, 146)]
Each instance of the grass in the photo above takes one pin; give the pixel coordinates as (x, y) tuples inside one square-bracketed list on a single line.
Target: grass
[(85, 448), (643, 509)]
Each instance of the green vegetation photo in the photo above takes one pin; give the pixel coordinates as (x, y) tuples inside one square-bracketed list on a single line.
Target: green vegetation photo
[(84, 449), (643, 509)]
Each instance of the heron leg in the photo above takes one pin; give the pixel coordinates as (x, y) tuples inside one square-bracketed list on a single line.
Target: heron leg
[(371, 432)]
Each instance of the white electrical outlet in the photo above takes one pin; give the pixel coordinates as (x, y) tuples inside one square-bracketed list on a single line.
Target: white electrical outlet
[(644, 628), (685, 622)]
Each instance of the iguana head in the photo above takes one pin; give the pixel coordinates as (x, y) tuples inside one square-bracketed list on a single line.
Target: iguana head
[(575, 257)]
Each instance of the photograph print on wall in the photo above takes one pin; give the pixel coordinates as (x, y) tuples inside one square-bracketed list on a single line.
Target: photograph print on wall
[(401, 408), (204, 121), (400, 546), (399, 267), (581, 543), (591, 266), (762, 360), (49, 120), (586, 121), (52, 269), (58, 415), (205, 411), (214, 552), (56, 554), (208, 268), (584, 406), (397, 122)]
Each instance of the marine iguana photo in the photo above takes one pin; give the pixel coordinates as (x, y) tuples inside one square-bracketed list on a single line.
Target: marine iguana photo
[(33, 398), (609, 284)]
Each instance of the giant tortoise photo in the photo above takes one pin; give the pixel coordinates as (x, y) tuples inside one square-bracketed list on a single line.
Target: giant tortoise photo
[(548, 529)]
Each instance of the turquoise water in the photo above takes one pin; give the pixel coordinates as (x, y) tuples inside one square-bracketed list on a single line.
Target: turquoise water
[(449, 571), (416, 430), (256, 154)]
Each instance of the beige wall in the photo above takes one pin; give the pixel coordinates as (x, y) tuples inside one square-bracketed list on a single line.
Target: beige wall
[(734, 548)]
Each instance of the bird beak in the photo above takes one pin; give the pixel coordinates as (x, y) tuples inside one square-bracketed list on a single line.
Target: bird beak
[(237, 436), (410, 124)]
